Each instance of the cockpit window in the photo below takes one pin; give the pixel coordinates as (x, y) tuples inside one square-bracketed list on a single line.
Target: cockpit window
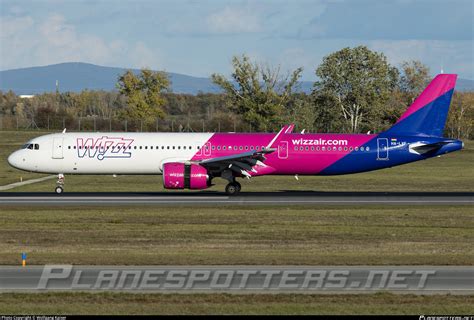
[(31, 146)]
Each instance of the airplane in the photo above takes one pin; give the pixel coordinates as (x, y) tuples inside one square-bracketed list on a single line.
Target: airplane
[(193, 160)]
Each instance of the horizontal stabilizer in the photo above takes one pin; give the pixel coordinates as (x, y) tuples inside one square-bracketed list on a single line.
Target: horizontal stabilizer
[(421, 148)]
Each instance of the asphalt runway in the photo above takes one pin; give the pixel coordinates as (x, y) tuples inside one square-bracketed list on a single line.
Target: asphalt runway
[(282, 198), (240, 279)]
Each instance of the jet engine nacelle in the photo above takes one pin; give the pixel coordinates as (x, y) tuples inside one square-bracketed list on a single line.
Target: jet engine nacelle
[(178, 175)]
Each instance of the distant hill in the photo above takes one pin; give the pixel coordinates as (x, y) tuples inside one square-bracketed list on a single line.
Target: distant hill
[(77, 76)]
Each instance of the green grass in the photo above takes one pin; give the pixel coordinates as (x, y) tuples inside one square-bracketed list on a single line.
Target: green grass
[(452, 172), (293, 235), (129, 303)]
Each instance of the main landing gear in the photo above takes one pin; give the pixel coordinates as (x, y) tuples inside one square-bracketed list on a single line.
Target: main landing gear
[(233, 188), (59, 184)]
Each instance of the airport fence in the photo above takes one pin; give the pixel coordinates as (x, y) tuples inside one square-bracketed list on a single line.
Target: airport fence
[(196, 123)]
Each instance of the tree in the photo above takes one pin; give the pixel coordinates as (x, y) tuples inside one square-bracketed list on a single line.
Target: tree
[(360, 82), (461, 115), (258, 93), (414, 79), (144, 93), (301, 112)]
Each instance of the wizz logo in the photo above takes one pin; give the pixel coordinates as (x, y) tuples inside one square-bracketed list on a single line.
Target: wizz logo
[(104, 147)]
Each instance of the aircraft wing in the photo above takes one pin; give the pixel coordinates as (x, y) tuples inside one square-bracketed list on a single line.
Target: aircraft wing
[(239, 163)]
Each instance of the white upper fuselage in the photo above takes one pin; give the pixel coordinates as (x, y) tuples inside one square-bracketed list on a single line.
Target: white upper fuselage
[(107, 153)]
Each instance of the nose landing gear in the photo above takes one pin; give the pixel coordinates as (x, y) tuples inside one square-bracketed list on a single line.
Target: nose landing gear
[(59, 184)]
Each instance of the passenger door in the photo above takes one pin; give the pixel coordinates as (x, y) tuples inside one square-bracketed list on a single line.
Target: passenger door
[(58, 148), (382, 149)]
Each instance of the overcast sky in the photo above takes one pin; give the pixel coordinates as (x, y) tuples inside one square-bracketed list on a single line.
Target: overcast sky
[(199, 37)]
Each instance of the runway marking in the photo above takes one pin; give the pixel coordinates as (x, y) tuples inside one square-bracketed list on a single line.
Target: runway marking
[(208, 201), (244, 199), (23, 183)]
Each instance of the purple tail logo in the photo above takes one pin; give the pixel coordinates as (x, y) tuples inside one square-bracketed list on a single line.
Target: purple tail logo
[(104, 147)]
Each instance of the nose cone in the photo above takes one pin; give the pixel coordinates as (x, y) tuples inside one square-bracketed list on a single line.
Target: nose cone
[(14, 160)]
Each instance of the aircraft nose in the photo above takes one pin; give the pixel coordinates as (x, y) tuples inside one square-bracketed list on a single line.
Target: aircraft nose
[(14, 160)]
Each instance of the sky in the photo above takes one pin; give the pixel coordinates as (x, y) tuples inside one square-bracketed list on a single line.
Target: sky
[(199, 37)]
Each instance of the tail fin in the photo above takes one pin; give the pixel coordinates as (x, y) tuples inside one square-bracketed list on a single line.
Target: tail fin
[(427, 114)]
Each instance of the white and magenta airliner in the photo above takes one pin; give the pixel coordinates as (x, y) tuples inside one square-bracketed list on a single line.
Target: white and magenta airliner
[(193, 160)]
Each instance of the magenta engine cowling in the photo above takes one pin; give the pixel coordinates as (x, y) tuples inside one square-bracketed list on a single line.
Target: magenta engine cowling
[(185, 176)]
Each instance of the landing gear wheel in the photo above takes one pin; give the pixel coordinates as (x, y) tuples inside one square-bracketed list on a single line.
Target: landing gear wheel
[(59, 190), (239, 187), (232, 188)]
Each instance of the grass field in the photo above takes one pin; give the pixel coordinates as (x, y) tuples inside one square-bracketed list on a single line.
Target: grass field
[(120, 303), (293, 235), (452, 172)]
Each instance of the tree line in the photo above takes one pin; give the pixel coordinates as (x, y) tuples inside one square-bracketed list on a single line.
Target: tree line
[(357, 91)]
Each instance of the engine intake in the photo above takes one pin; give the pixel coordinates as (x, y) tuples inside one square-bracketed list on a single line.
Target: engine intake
[(178, 175)]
